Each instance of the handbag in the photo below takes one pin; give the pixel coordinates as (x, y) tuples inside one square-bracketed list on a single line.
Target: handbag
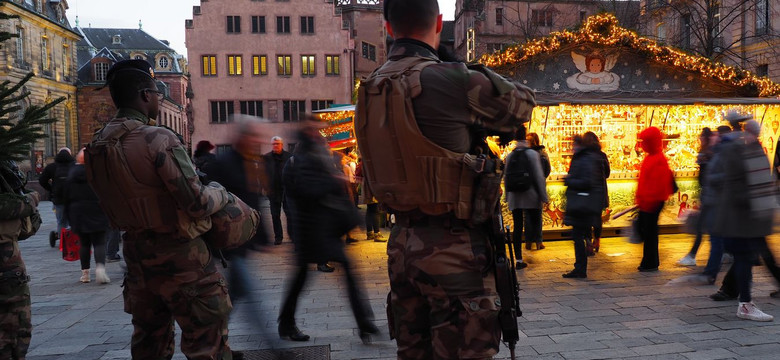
[(582, 203), (70, 244)]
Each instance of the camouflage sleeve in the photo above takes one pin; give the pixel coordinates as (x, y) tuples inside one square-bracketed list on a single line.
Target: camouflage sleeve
[(496, 102), (177, 172)]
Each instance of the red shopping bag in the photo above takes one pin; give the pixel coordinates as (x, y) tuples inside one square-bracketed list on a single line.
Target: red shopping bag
[(69, 245)]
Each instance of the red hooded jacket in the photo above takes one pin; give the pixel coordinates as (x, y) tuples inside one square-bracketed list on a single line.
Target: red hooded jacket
[(655, 176)]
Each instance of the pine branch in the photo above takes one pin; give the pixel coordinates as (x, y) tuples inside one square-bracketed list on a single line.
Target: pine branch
[(19, 134)]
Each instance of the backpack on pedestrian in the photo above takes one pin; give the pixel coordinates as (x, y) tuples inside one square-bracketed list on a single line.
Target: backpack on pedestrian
[(517, 174)]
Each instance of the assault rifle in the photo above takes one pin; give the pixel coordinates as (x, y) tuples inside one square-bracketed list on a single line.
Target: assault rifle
[(506, 283)]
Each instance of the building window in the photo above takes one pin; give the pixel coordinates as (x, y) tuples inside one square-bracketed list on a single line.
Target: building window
[(293, 110), (685, 31), (221, 111), (762, 17), (258, 24), (259, 65), (762, 70), (284, 63), (163, 62), (661, 32), (101, 69), (20, 45), (283, 24), (45, 54), (254, 108), (320, 104), (66, 54), (332, 65), (234, 24), (209, 65), (499, 16), (139, 57), (307, 24), (583, 16), (234, 65), (307, 65), (50, 143), (493, 47), (543, 18), (368, 51)]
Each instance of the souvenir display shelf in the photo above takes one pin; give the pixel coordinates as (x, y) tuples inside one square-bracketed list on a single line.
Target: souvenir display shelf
[(340, 131), (617, 127)]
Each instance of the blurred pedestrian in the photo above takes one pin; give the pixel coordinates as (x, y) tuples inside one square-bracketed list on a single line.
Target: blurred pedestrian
[(707, 140), (147, 185), (592, 141), (53, 180), (274, 163), (87, 220), (745, 211), (655, 185), (322, 214), (526, 205), (584, 200), (203, 155), (535, 145)]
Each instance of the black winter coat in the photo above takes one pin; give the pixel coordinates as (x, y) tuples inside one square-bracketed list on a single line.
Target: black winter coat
[(82, 208), (54, 176), (322, 211), (585, 176), (274, 165)]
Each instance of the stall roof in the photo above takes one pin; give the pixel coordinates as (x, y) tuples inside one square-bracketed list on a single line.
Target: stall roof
[(336, 109), (607, 63)]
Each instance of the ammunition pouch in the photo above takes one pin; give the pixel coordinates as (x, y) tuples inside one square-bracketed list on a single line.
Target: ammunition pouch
[(14, 278)]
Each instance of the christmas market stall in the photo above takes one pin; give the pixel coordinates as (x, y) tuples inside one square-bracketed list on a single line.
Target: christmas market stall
[(340, 131), (608, 80)]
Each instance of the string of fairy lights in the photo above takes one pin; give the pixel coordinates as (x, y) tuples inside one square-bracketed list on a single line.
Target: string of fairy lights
[(603, 29)]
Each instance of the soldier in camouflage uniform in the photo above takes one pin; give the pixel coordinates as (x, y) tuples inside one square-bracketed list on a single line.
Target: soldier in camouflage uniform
[(443, 302), (148, 187), (15, 325)]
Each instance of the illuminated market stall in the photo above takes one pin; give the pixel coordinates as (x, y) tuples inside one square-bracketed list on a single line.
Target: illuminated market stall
[(340, 131), (606, 79)]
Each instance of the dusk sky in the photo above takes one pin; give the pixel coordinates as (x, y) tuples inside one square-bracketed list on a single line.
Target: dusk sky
[(163, 19)]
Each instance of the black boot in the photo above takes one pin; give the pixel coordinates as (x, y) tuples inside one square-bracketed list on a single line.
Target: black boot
[(367, 331), (288, 331)]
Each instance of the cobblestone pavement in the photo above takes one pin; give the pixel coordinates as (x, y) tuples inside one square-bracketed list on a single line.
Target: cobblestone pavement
[(616, 313)]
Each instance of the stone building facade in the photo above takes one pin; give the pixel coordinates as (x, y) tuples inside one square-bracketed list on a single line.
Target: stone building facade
[(99, 49), (277, 59), (735, 32), (46, 46)]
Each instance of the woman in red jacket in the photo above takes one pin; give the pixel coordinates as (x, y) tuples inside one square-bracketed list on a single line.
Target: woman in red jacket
[(654, 188)]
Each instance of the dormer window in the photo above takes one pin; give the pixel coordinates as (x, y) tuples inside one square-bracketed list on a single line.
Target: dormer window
[(163, 62), (117, 40)]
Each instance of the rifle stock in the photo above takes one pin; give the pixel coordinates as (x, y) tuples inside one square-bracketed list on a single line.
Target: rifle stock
[(506, 283)]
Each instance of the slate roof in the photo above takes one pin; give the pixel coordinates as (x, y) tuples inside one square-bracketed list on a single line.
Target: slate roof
[(100, 42)]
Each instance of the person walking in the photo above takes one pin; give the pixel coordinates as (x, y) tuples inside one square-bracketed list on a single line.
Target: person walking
[(746, 208), (323, 213), (372, 207), (654, 187), (526, 204), (440, 110), (584, 200), (274, 163), (203, 154), (535, 144), (707, 140), (53, 179), (87, 220), (592, 141), (148, 187)]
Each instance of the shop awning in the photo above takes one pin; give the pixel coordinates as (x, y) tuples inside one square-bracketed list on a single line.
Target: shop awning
[(549, 100)]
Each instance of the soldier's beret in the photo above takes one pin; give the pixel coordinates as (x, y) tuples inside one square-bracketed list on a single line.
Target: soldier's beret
[(130, 65)]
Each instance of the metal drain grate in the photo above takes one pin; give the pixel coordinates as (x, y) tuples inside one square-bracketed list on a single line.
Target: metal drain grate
[(319, 352)]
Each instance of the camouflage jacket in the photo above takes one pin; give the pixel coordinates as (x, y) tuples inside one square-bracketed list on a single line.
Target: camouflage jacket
[(158, 189), (456, 99)]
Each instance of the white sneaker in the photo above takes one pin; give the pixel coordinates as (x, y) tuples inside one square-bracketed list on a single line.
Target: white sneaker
[(100, 274), (84, 276), (727, 259), (749, 311), (688, 260)]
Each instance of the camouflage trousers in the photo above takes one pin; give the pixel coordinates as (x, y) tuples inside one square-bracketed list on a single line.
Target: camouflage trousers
[(175, 282), (443, 301), (15, 325)]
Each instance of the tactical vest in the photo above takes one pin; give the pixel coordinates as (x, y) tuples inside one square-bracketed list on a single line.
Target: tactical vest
[(131, 205), (404, 169)]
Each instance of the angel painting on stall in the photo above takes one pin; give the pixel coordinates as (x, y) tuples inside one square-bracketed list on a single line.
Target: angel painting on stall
[(595, 72)]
